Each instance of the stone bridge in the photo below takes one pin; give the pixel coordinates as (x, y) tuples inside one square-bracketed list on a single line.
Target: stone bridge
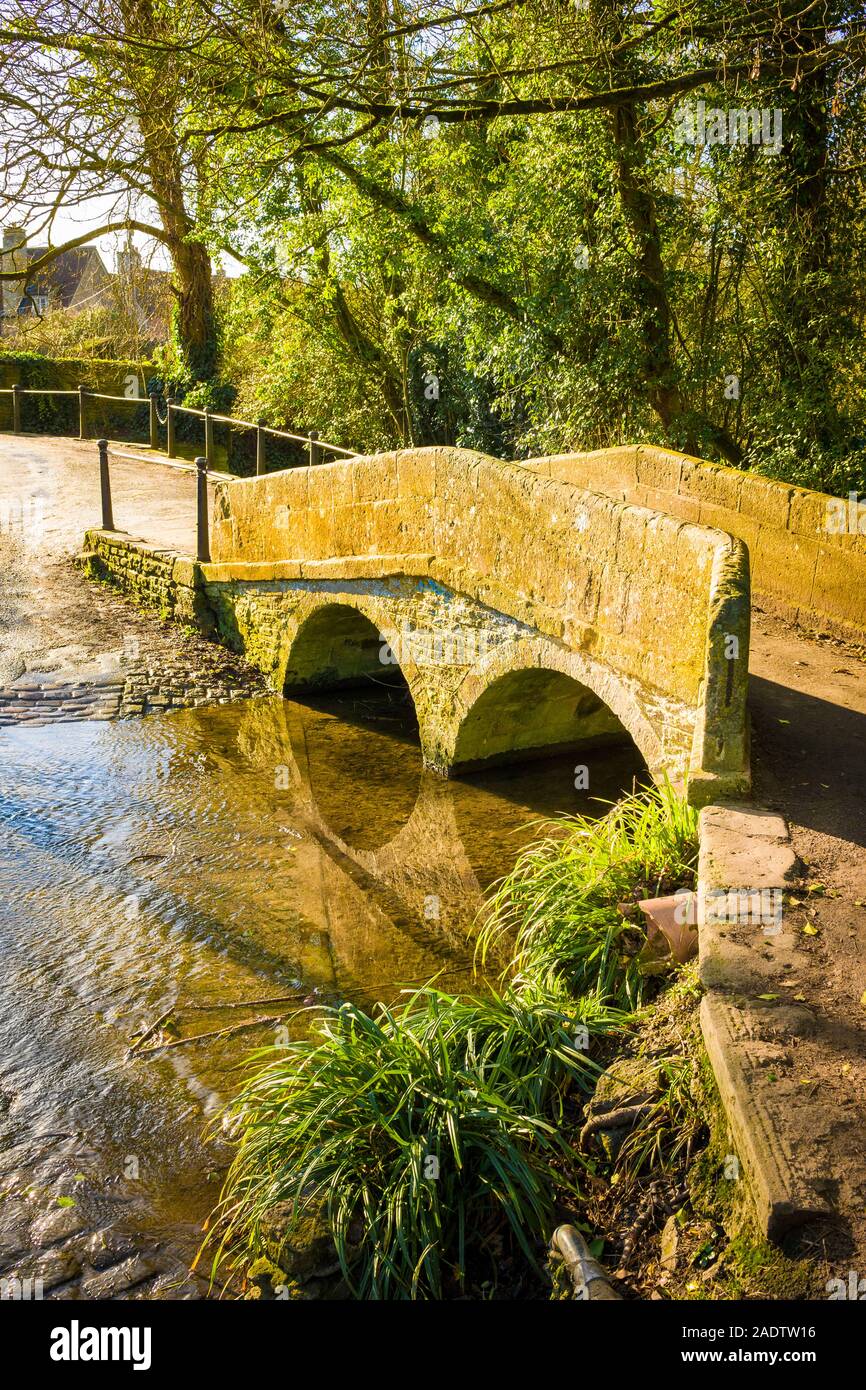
[(609, 593), (527, 616)]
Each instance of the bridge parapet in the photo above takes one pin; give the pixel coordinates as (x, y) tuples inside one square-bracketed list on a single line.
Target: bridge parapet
[(807, 549), (645, 612)]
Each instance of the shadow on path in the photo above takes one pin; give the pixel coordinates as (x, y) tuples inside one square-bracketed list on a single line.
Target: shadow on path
[(810, 752)]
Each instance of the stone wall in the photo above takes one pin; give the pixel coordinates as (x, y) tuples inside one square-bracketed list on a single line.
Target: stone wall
[(68, 373), (159, 579), (52, 414), (800, 568)]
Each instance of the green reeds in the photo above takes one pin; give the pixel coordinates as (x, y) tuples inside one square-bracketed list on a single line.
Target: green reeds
[(558, 908), (426, 1124)]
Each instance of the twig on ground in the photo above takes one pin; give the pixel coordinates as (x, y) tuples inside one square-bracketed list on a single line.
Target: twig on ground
[(246, 1003), (216, 1033)]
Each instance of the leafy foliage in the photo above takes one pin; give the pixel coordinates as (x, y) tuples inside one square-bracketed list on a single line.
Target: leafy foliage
[(559, 904), (423, 1125), (504, 198)]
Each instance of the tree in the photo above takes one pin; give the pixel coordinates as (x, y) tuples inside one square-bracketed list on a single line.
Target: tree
[(329, 85), (93, 102), (502, 192)]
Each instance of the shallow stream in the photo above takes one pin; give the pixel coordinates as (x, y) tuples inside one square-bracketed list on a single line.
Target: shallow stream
[(204, 858)]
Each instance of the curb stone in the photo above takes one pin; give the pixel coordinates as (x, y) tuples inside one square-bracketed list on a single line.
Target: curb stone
[(744, 849)]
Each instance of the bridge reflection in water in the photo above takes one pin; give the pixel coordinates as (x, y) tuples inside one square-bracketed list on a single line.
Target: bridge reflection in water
[(209, 857), (397, 854)]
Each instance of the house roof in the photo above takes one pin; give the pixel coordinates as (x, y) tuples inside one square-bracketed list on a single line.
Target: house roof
[(64, 274)]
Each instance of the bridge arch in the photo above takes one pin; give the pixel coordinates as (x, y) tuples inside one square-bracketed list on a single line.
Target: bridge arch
[(334, 643), (529, 697), (331, 645), (532, 698)]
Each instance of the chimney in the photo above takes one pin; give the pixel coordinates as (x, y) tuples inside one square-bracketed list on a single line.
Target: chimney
[(128, 260), (13, 237)]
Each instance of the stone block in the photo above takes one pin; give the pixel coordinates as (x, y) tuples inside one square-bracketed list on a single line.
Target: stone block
[(658, 469), (744, 848), (711, 483), (784, 565), (766, 501), (668, 503), (375, 480), (331, 485), (839, 588), (730, 522), (319, 533), (416, 473), (809, 515)]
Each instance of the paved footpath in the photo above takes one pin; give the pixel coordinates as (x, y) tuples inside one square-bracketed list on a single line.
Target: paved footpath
[(808, 705), (70, 649)]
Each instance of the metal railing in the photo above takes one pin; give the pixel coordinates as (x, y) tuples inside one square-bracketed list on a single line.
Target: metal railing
[(317, 449), (202, 525)]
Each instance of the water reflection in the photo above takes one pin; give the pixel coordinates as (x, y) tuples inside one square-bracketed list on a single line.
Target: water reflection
[(209, 857)]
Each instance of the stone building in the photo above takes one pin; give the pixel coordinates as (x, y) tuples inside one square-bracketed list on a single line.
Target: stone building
[(74, 279)]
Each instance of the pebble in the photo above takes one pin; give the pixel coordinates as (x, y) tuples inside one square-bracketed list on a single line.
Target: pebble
[(105, 1248), (119, 1278), (55, 1226)]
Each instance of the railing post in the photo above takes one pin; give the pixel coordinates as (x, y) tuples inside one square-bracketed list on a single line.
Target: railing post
[(208, 439), (202, 547), (105, 486), (261, 466), (82, 418), (154, 422), (315, 451), (16, 408), (169, 426)]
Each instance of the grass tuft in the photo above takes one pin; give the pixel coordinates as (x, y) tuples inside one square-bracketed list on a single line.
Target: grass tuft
[(557, 909)]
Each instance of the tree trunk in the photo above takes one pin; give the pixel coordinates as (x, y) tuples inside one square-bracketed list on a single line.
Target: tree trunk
[(155, 95), (685, 426), (805, 346)]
